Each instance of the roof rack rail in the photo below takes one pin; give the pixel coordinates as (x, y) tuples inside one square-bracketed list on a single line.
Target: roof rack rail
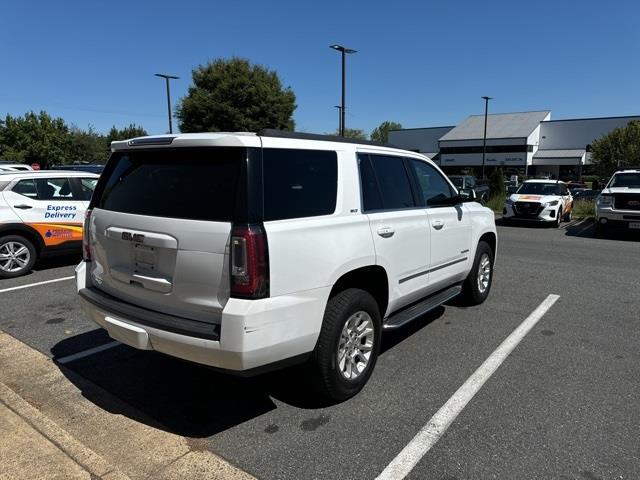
[(270, 132)]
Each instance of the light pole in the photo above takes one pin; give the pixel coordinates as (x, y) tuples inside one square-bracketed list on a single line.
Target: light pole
[(339, 118), (167, 78), (344, 52), (484, 137)]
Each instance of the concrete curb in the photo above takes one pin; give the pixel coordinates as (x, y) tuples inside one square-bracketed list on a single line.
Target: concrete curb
[(79, 453), (112, 440)]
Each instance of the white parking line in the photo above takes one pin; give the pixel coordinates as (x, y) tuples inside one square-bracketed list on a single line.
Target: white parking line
[(439, 423), (86, 353), (20, 287)]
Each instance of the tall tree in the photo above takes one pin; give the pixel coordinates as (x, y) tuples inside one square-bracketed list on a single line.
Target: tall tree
[(618, 148), (87, 146), (125, 133), (355, 133), (234, 95), (381, 133), (35, 138)]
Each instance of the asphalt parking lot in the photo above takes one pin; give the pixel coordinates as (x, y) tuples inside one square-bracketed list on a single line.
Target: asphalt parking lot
[(564, 404)]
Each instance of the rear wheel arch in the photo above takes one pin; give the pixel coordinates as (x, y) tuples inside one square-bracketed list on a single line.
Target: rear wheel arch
[(24, 231), (372, 279)]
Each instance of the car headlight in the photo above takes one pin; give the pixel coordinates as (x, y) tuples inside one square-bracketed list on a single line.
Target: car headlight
[(605, 201), (552, 203)]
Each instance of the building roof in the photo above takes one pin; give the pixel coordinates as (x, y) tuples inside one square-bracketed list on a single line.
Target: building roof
[(560, 153), (499, 125)]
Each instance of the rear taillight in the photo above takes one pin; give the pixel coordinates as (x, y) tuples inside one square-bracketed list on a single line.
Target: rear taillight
[(249, 262), (86, 246)]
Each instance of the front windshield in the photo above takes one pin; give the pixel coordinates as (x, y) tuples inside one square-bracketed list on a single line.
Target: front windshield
[(539, 188), (631, 180)]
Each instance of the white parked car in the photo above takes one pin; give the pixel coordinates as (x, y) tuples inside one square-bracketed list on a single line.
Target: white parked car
[(539, 201), (41, 214), (619, 202), (252, 251), (6, 166)]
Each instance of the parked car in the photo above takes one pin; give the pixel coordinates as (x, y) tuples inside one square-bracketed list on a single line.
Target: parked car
[(247, 252), (511, 186), (481, 190), (619, 202), (540, 201), (6, 166), (81, 167), (41, 214)]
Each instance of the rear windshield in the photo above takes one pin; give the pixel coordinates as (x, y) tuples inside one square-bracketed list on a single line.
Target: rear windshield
[(194, 184)]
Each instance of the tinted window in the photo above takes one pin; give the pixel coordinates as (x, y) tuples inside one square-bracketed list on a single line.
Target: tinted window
[(54, 189), (432, 184), (299, 183), (26, 188), (371, 196), (196, 184), (393, 182), (87, 186)]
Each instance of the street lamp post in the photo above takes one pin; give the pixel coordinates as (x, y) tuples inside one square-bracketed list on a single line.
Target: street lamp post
[(344, 52), (167, 78), (339, 117), (484, 137)]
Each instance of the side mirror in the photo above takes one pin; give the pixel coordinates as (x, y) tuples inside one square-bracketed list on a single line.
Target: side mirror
[(467, 194)]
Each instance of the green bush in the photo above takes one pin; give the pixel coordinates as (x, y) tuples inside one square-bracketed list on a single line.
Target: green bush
[(583, 209), (496, 203), (496, 183)]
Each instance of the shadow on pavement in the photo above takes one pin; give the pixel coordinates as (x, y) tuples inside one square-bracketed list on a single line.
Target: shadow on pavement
[(501, 222), (586, 229), (48, 263), (189, 399)]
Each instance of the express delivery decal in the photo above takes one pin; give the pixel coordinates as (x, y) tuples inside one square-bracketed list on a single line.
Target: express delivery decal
[(57, 233)]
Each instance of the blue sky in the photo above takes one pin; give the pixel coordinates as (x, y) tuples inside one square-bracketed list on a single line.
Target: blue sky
[(421, 63)]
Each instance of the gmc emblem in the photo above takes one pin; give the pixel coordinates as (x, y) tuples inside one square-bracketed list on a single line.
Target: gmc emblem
[(133, 237), (633, 203)]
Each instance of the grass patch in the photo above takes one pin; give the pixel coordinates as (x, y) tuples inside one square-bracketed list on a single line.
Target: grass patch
[(496, 203), (583, 209)]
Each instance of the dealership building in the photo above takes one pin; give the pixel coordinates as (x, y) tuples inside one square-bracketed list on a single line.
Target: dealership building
[(524, 143)]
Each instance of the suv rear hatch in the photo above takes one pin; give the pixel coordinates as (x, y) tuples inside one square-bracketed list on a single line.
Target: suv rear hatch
[(160, 226)]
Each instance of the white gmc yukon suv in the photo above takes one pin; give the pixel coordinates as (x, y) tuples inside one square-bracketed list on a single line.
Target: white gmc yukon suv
[(247, 251)]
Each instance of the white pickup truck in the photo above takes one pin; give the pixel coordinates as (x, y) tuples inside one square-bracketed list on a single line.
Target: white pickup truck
[(619, 203)]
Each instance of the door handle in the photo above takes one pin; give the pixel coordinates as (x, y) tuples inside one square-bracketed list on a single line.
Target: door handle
[(386, 232), (23, 206), (437, 224)]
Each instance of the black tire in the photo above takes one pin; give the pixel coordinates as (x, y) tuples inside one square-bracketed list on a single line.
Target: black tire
[(568, 216), (327, 376), (471, 292), (600, 230), (13, 243), (558, 218)]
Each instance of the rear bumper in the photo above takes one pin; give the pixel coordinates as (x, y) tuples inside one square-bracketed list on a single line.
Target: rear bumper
[(251, 335)]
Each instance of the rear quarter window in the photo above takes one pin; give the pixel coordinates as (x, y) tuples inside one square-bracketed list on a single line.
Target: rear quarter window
[(299, 183)]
